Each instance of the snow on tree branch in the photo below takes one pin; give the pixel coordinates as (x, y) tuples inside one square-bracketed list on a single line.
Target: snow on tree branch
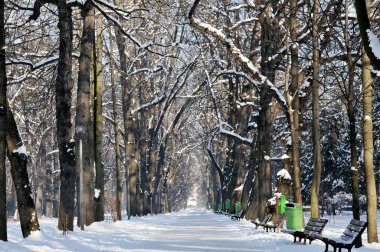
[(219, 119), (237, 137), (33, 66), (149, 104), (243, 22), (235, 51), (115, 21), (117, 9)]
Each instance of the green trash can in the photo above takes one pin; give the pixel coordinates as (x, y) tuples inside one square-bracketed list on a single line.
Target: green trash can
[(220, 207), (281, 204), (294, 216), (237, 207), (228, 205)]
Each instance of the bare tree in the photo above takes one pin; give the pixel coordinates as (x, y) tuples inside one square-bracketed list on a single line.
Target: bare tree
[(3, 125), (314, 190), (83, 116)]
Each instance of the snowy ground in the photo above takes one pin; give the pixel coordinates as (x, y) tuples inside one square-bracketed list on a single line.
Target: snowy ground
[(188, 230)]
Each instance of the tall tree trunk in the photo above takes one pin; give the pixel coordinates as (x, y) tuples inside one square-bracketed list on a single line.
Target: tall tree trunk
[(314, 190), (264, 138), (3, 125), (17, 156), (40, 161), (156, 197), (131, 128), (116, 132), (294, 92), (151, 168), (368, 145), (98, 121), (83, 118), (56, 180), (352, 126), (48, 186), (64, 86)]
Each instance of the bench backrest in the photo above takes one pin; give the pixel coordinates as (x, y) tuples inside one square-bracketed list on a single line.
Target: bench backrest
[(279, 219), (315, 225), (354, 230), (241, 214), (267, 218)]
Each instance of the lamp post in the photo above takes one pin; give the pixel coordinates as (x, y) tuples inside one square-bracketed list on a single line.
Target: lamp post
[(79, 130)]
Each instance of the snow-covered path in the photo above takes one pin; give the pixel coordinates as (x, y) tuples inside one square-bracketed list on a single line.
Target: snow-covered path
[(188, 230)]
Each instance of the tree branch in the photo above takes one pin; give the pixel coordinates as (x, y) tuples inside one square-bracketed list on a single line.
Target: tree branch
[(37, 8), (364, 26)]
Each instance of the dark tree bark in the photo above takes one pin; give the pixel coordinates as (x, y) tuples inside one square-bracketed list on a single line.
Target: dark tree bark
[(19, 172), (314, 190), (3, 125), (116, 132), (98, 121), (352, 124), (83, 118), (64, 86), (294, 120), (264, 138)]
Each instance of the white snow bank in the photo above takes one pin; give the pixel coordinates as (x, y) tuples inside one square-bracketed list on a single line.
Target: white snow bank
[(190, 230)]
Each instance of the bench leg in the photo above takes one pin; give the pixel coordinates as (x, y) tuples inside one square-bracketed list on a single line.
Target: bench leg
[(327, 247)]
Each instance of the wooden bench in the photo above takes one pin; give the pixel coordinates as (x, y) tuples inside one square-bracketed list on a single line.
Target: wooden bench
[(349, 237), (262, 223), (238, 216), (313, 226), (269, 226)]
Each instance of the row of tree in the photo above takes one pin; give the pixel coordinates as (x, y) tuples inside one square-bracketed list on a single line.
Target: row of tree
[(303, 49), (128, 104)]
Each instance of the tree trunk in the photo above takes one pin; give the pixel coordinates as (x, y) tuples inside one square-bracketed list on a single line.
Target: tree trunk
[(264, 138), (17, 156), (83, 118), (3, 125), (352, 126), (116, 132), (314, 190), (64, 85), (98, 121), (56, 183), (48, 187), (150, 166), (251, 189), (368, 150), (294, 92), (156, 197)]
